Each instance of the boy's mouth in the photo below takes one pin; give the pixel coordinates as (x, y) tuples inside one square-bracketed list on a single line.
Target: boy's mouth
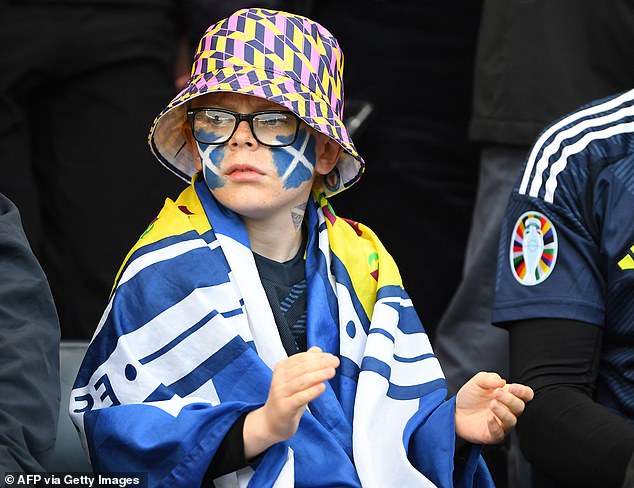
[(243, 172)]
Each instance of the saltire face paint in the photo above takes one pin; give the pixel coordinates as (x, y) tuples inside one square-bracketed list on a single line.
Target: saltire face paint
[(295, 164)]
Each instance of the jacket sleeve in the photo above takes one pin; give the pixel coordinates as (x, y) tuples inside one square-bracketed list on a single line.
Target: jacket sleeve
[(29, 352)]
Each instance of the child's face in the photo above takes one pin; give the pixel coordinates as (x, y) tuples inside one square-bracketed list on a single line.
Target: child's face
[(249, 177)]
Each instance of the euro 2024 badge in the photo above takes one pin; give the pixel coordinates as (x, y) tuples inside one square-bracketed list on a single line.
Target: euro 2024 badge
[(533, 248)]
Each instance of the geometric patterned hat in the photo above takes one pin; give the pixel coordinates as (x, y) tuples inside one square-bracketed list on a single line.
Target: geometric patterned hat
[(282, 57)]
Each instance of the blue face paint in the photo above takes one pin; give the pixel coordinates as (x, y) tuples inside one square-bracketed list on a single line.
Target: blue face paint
[(212, 157), (295, 163), (207, 135), (287, 139)]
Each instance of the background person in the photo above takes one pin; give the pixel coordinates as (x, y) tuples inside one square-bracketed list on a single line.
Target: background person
[(570, 317), (536, 61), (68, 161), (29, 353)]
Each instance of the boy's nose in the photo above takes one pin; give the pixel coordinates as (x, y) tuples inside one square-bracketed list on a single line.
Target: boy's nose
[(243, 134)]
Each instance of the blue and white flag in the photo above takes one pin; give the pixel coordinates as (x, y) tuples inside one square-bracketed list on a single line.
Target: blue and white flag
[(188, 341)]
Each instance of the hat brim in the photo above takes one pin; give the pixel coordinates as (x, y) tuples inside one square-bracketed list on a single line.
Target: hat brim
[(167, 141)]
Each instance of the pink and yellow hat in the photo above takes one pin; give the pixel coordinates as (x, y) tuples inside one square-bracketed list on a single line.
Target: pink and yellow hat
[(278, 56)]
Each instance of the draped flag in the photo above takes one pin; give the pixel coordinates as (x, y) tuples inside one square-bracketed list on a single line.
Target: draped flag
[(188, 341)]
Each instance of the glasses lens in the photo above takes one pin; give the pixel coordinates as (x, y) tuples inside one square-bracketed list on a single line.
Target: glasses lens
[(275, 128), (213, 126)]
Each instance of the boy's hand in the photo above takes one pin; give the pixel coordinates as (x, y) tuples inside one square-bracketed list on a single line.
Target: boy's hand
[(487, 408), (296, 381)]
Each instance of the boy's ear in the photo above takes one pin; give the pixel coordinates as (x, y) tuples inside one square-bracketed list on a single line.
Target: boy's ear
[(191, 145), (328, 156)]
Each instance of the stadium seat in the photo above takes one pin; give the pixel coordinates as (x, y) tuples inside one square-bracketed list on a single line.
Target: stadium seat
[(69, 455)]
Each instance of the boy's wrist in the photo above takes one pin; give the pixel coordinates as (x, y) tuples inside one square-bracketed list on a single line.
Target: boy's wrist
[(257, 434)]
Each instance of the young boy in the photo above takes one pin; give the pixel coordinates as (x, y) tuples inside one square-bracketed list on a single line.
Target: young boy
[(253, 336)]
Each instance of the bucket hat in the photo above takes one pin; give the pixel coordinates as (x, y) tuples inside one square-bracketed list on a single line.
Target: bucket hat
[(281, 57)]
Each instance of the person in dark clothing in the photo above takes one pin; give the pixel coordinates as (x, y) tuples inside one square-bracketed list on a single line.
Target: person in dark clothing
[(565, 293), (66, 157), (29, 353), (536, 61), (528, 73)]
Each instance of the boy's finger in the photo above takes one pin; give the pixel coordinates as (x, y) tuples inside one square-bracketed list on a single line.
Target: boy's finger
[(521, 391), (512, 402)]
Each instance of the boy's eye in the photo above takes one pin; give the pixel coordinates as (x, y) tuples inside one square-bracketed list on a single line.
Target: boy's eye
[(219, 119), (273, 120)]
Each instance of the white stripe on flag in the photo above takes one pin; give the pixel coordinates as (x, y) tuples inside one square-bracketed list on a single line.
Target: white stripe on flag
[(162, 254)]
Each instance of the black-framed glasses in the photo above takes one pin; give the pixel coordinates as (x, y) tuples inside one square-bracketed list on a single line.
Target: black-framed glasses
[(276, 128)]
